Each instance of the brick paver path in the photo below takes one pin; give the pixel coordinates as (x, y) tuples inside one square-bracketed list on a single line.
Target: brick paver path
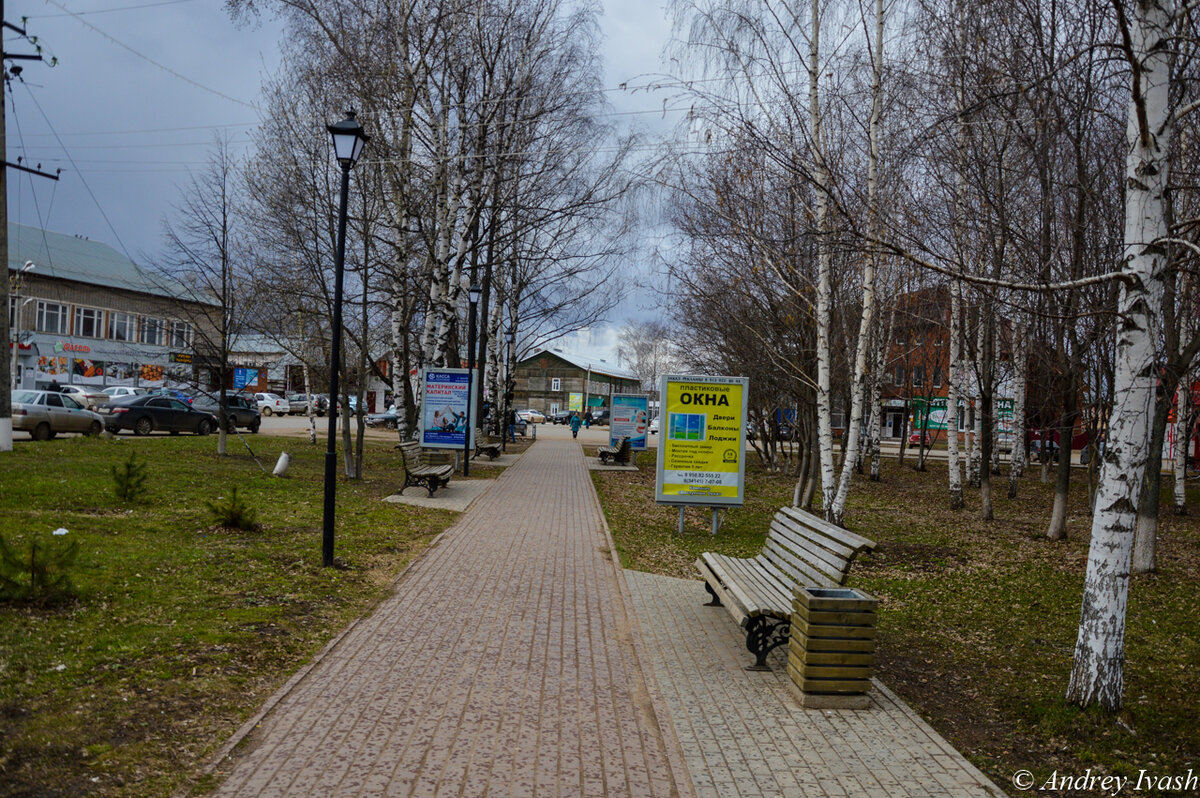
[(743, 735), (504, 665)]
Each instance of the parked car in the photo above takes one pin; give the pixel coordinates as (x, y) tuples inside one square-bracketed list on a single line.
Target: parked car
[(272, 404), (88, 397), (44, 414), (654, 426), (299, 403), (387, 419), (117, 391), (240, 411), (914, 438), (1035, 450), (561, 417), (144, 414), (600, 418), (531, 416)]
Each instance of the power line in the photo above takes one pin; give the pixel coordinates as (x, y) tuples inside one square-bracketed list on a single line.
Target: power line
[(107, 10), (145, 57), (91, 193)]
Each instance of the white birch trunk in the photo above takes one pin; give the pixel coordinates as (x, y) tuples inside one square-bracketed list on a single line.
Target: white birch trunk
[(1097, 676), (953, 395), (824, 268), (312, 410), (399, 368), (1183, 414), (837, 511), (1020, 381)]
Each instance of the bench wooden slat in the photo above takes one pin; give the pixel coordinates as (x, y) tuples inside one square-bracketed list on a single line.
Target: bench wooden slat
[(807, 558), (829, 549), (829, 530), (747, 605)]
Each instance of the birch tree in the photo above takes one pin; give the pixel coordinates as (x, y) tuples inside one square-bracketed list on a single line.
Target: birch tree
[(1097, 675)]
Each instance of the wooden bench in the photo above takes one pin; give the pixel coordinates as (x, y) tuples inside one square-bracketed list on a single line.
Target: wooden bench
[(418, 470), (801, 550), (618, 454)]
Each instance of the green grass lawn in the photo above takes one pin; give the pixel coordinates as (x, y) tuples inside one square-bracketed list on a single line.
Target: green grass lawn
[(978, 620), (181, 629)]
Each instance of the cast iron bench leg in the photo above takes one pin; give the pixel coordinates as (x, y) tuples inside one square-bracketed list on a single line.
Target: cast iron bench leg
[(716, 600), (763, 635)]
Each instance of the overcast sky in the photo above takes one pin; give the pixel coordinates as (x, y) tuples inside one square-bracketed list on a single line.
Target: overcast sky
[(141, 86)]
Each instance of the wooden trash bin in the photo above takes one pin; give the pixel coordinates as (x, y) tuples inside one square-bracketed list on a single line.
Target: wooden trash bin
[(831, 650)]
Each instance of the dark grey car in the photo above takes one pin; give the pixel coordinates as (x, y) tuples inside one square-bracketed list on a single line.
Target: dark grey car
[(144, 414), (240, 412)]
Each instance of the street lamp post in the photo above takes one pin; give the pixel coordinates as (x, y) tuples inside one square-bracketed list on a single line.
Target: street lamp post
[(473, 295), (510, 337), (16, 344), (348, 142)]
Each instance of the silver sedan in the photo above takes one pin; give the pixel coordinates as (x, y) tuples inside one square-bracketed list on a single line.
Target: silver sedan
[(44, 414)]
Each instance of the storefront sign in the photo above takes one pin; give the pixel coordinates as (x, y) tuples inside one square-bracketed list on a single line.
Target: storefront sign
[(701, 455), (65, 346), (444, 409), (629, 417), (181, 357)]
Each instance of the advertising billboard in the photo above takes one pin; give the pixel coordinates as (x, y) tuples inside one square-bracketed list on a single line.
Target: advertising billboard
[(702, 448), (630, 417), (444, 409), (575, 402)]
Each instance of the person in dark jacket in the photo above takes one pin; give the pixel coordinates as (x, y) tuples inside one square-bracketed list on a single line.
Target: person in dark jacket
[(512, 425)]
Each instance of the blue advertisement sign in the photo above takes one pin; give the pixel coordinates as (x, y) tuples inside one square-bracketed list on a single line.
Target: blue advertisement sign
[(444, 409), (630, 417), (243, 377)]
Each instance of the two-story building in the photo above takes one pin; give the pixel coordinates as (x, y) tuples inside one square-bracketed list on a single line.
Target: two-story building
[(82, 313), (551, 380)]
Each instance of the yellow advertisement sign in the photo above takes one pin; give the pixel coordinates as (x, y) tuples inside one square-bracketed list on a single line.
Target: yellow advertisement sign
[(701, 453), (575, 402)]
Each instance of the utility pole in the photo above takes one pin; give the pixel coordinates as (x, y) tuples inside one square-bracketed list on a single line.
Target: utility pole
[(8, 350)]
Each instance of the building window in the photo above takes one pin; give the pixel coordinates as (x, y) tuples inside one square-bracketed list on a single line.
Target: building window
[(152, 331), (918, 376), (120, 326), (556, 384), (88, 322), (937, 376), (52, 318), (12, 312), (898, 378), (181, 334)]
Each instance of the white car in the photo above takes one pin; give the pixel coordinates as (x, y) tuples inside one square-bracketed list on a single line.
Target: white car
[(272, 404), (88, 397), (117, 391), (531, 416), (654, 426)]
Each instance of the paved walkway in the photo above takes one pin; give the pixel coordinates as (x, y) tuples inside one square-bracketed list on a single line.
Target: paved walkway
[(511, 662), (504, 665), (743, 734)]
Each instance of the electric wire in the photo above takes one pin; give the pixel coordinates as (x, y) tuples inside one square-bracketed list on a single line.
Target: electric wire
[(107, 10), (147, 58), (82, 179)]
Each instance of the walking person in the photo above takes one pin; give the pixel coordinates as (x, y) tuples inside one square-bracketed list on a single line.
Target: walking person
[(512, 426), (575, 424)]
